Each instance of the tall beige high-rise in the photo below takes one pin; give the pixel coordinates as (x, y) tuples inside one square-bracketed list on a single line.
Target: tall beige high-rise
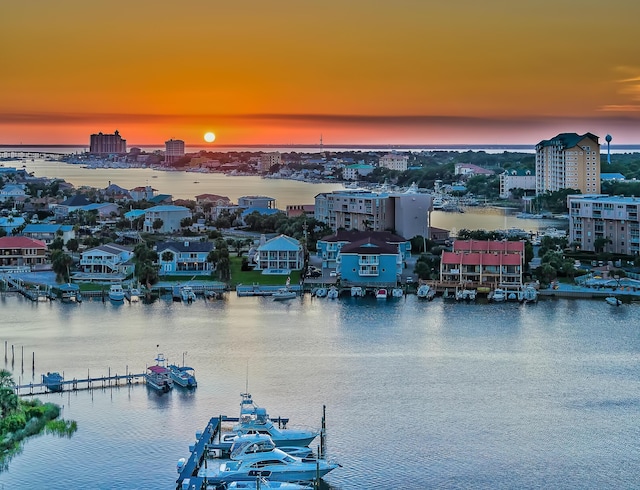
[(568, 161)]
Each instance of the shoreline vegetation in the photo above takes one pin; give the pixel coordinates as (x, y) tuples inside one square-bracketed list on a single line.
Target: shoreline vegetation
[(22, 419)]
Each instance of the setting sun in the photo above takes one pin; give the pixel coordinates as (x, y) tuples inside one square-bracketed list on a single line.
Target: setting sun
[(209, 137)]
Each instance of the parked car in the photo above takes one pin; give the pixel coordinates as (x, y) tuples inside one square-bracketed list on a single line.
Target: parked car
[(333, 274)]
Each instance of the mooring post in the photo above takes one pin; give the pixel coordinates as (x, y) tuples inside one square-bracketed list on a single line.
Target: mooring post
[(22, 360), (5, 351), (12, 355), (109, 375), (33, 362)]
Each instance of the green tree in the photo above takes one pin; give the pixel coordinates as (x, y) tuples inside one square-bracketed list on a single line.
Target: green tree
[(157, 224), (61, 264), (72, 245)]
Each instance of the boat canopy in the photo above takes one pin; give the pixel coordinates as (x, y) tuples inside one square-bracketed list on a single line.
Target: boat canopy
[(158, 369)]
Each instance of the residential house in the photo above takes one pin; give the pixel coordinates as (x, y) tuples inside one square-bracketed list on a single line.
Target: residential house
[(369, 262), (294, 210), (22, 252), (211, 205), (488, 263), (394, 161), (468, 169), (355, 171), (68, 206), (256, 202), (110, 258), (170, 215), (142, 193), (280, 255), (329, 247), (188, 257), (49, 232), (15, 192), (102, 209)]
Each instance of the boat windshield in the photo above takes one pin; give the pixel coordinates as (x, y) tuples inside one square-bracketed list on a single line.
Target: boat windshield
[(247, 446)]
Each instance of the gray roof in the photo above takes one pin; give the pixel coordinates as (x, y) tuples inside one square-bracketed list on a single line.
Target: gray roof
[(181, 247)]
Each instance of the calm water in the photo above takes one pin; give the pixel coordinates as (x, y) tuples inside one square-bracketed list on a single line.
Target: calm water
[(418, 394)]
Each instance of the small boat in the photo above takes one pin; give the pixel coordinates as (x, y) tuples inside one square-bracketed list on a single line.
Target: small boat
[(255, 456), (158, 377), (255, 420), (528, 295), (53, 381), (498, 295), (397, 293), (333, 293), (356, 291), (425, 292), (133, 295), (381, 293), (468, 294), (321, 292), (70, 293), (187, 294), (116, 293), (613, 301), (183, 376), (284, 294)]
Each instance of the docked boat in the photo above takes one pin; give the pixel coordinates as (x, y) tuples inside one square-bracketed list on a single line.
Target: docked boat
[(133, 295), (321, 292), (53, 381), (397, 293), (70, 293), (255, 420), (381, 293), (356, 291), (283, 294), (187, 294), (498, 295), (529, 294), (256, 456), (158, 377), (425, 292), (333, 293), (183, 376), (116, 293), (613, 301)]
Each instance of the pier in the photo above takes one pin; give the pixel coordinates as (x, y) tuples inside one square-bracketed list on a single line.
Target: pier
[(75, 384)]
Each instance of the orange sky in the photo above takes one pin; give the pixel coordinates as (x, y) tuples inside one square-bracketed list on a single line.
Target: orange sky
[(287, 71)]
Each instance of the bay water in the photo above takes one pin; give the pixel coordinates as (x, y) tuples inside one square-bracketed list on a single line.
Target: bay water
[(417, 394)]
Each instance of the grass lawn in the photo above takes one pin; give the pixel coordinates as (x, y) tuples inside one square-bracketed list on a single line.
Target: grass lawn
[(239, 276)]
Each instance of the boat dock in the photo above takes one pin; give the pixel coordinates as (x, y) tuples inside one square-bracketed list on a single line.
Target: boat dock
[(75, 384), (188, 473)]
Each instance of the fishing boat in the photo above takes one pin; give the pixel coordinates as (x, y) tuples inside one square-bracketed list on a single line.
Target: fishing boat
[(381, 293), (187, 294), (256, 456), (158, 377), (53, 381), (613, 301), (255, 420), (333, 293), (116, 293)]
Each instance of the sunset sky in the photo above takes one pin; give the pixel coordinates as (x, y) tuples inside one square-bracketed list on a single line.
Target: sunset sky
[(286, 72)]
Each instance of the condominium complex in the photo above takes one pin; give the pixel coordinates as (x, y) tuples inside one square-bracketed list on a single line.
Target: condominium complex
[(268, 160), (107, 143), (568, 161), (174, 150), (394, 161), (483, 263), (605, 223), (405, 213), (516, 179)]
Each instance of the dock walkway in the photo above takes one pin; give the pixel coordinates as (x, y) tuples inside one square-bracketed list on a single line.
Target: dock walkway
[(76, 384)]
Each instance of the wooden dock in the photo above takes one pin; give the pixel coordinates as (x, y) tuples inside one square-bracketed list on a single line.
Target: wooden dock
[(75, 384)]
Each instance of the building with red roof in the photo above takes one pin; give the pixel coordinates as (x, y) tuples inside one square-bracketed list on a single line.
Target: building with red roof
[(487, 263), (19, 251)]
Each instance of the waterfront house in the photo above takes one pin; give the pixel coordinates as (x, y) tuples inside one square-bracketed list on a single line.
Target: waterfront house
[(211, 205), (110, 258), (487, 263), (329, 247), (256, 202), (22, 252), (142, 193), (49, 232), (68, 206), (280, 255), (188, 257), (170, 215), (369, 262)]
